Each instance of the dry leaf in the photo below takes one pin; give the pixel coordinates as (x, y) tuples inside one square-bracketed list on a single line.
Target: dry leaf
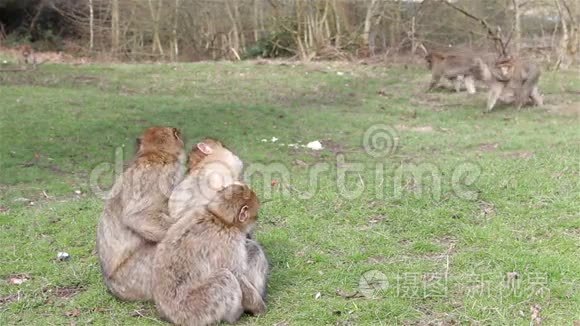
[(300, 163), (377, 219), (535, 310), (18, 279), (512, 276)]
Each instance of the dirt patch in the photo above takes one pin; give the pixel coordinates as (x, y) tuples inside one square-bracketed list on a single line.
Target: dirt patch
[(487, 209), (422, 129), (17, 279), (522, 155), (318, 96), (435, 102), (333, 146), (488, 147), (73, 313), (569, 109), (377, 260), (9, 298), (87, 80), (46, 57), (377, 219), (64, 292)]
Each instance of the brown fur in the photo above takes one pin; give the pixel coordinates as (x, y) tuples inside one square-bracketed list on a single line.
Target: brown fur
[(207, 174), (27, 54), (135, 217), (454, 65), (201, 267), (511, 80)]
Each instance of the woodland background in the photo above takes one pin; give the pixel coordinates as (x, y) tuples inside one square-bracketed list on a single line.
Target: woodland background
[(193, 30)]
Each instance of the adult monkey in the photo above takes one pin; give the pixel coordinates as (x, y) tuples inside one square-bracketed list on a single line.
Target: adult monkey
[(453, 64), (510, 80), (135, 217)]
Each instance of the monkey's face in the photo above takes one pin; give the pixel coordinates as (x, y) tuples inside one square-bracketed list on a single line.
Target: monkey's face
[(434, 59), (505, 67), (165, 139), (213, 155)]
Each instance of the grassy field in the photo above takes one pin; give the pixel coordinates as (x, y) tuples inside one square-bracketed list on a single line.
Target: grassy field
[(420, 209)]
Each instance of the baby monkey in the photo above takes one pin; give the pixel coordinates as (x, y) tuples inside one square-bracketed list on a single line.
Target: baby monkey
[(201, 266)]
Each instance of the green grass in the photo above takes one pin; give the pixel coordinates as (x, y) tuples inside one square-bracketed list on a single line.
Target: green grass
[(499, 192)]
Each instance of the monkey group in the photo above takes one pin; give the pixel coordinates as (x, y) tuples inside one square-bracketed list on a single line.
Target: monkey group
[(509, 79), (183, 240)]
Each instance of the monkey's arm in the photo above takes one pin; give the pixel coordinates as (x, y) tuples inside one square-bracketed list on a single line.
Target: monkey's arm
[(145, 216)]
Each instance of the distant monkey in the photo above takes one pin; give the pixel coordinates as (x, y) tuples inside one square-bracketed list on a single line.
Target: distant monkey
[(510, 80), (27, 56), (453, 65), (200, 275), (135, 217)]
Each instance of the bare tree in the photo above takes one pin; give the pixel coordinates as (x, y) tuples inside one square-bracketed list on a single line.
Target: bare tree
[(115, 33)]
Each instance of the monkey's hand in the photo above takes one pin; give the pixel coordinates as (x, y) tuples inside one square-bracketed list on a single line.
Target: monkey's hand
[(150, 225)]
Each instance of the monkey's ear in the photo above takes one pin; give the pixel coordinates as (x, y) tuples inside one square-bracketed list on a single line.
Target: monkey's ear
[(227, 202), (204, 148), (138, 143), (243, 215)]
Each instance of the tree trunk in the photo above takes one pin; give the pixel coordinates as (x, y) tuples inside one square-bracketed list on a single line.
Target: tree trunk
[(155, 17), (91, 26), (562, 50), (175, 27), (115, 26), (517, 26), (336, 24), (368, 22), (256, 20), (234, 42)]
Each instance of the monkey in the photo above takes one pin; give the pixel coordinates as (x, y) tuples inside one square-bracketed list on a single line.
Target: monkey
[(27, 55), (258, 266), (211, 167), (453, 65), (523, 77), (200, 267), (135, 216), (510, 80)]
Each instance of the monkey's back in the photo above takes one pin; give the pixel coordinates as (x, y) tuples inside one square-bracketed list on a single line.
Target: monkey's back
[(199, 188), (193, 250), (141, 189)]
